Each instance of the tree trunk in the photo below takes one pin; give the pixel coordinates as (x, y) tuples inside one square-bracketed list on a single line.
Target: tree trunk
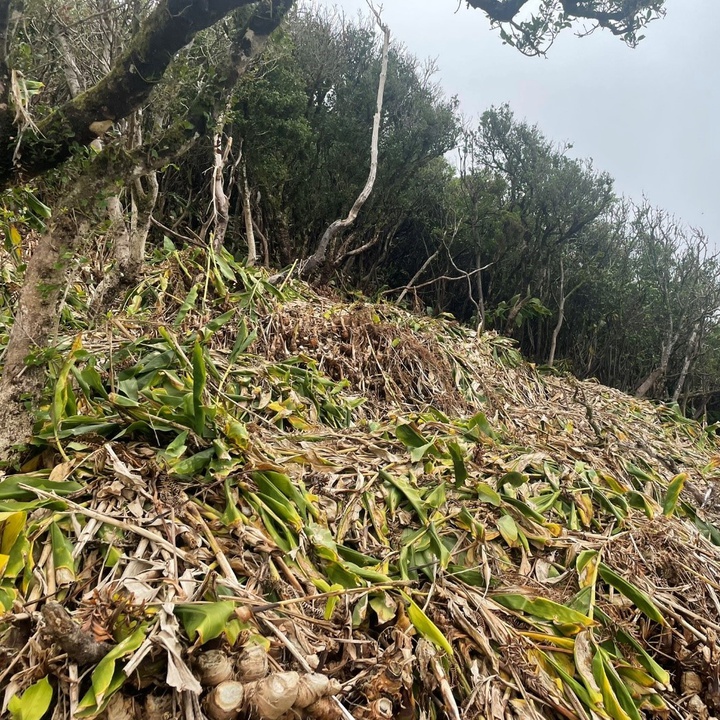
[(6, 114), (142, 204), (36, 324), (221, 201), (318, 259), (689, 357), (247, 215), (481, 294), (659, 372), (72, 74), (561, 316)]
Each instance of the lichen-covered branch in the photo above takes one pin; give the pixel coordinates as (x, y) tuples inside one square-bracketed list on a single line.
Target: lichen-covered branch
[(532, 34), (169, 28)]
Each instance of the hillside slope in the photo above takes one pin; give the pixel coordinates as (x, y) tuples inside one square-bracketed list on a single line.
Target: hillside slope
[(354, 512)]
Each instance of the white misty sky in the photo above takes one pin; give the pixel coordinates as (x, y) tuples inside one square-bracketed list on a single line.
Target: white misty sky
[(647, 116)]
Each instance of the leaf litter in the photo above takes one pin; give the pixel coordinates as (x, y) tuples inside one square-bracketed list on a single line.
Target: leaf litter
[(245, 500)]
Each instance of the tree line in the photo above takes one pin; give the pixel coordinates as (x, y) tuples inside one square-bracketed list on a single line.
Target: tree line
[(248, 125)]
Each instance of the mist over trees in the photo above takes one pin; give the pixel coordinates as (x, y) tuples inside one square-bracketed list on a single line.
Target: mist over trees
[(247, 125)]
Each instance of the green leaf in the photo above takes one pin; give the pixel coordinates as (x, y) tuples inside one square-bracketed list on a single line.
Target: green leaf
[(199, 380), (384, 606), (409, 436), (194, 464), (513, 478), (242, 342), (631, 592), (188, 304), (610, 700), (583, 656), (10, 486), (438, 547), (106, 679), (418, 453), (487, 495), (621, 692), (205, 621), (62, 389), (544, 609), (410, 493), (426, 627), (477, 424), (38, 207), (33, 703), (508, 529), (644, 658), (216, 323), (232, 515), (456, 454), (62, 556), (437, 498), (673, 493)]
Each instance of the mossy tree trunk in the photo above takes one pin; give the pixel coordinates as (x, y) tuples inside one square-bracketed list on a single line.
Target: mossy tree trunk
[(169, 28)]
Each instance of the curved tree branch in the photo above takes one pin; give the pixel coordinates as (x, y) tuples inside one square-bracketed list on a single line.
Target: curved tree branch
[(534, 36), (169, 28), (319, 257)]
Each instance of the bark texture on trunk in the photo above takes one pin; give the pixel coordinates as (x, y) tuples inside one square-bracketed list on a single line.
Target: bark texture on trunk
[(690, 354), (660, 371), (6, 117), (318, 259), (247, 215), (36, 324), (169, 28)]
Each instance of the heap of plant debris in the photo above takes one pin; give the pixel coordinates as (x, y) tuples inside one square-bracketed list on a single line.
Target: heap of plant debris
[(247, 500)]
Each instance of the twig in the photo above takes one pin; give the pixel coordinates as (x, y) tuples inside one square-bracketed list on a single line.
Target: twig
[(122, 524)]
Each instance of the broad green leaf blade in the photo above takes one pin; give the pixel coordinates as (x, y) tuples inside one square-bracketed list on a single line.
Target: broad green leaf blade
[(199, 380), (106, 679), (33, 703), (631, 592), (205, 621), (426, 627), (544, 609)]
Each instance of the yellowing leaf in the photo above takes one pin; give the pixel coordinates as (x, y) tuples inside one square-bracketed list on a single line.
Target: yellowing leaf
[(33, 703), (673, 493), (15, 243), (426, 627), (509, 530)]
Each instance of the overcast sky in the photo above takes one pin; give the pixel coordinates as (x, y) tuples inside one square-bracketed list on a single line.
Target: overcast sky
[(648, 116)]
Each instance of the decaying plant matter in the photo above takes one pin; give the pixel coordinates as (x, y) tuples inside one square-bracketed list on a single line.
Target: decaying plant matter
[(260, 502)]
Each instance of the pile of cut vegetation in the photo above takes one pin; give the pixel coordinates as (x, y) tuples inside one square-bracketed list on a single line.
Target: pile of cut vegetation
[(247, 500)]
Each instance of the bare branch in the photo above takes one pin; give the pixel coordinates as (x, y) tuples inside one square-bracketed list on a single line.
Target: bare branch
[(317, 259), (169, 28)]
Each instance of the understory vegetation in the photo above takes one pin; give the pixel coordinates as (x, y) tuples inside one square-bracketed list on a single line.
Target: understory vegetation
[(486, 219)]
